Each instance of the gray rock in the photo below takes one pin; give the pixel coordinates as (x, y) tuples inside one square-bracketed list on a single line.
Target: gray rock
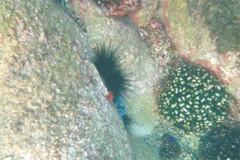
[(53, 103)]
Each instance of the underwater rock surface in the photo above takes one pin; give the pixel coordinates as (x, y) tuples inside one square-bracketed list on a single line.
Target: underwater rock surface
[(53, 103), (50, 107)]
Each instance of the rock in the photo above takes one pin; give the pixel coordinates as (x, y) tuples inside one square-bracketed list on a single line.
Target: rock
[(53, 102), (143, 16)]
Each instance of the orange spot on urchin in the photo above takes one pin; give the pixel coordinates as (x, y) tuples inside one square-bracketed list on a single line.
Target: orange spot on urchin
[(109, 96)]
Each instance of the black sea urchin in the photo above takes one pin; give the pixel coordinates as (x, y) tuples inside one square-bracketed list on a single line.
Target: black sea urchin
[(108, 63), (116, 79)]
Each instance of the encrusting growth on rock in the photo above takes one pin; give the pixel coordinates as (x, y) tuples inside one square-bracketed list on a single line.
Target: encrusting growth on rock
[(193, 100)]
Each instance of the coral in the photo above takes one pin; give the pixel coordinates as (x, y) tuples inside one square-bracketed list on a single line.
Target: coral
[(170, 148), (193, 100), (119, 8), (221, 143)]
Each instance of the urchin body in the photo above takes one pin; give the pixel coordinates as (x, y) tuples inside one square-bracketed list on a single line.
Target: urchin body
[(108, 63), (116, 79)]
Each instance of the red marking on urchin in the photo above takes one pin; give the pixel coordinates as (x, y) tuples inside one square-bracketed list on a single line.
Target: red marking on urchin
[(109, 96)]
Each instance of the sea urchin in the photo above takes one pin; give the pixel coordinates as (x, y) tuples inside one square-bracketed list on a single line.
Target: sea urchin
[(108, 63), (116, 79)]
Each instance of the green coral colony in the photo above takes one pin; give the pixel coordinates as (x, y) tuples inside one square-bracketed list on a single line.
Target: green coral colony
[(193, 100)]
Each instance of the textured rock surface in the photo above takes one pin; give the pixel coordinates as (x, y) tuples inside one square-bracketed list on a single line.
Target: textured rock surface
[(52, 100), (143, 16), (141, 150)]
